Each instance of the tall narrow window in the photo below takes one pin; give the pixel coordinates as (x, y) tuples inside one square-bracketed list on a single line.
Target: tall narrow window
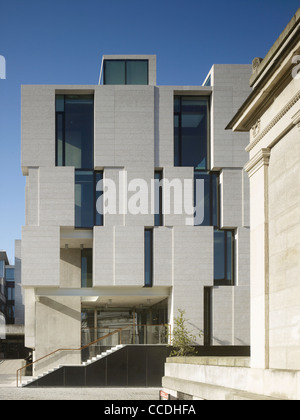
[(191, 131), (207, 315), (84, 199), (148, 257), (86, 196), (75, 131), (158, 217), (98, 208), (206, 198), (87, 268), (223, 258)]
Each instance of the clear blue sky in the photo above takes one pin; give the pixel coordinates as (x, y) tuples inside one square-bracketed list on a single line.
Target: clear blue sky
[(62, 42)]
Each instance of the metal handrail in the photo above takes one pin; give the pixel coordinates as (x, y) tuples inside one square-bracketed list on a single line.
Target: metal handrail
[(118, 330), (59, 350)]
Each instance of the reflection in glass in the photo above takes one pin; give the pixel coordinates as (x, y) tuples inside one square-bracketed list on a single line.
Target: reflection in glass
[(114, 72), (191, 131), (136, 72), (126, 72), (75, 131)]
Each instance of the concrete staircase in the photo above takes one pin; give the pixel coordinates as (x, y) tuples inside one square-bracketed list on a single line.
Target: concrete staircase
[(107, 353)]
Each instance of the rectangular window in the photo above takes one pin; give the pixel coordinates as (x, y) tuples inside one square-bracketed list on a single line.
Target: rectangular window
[(98, 206), (207, 316), (206, 198), (86, 196), (10, 291), (2, 267), (9, 273), (148, 257), (87, 268), (84, 199), (126, 72), (223, 258), (191, 131), (75, 131), (158, 217)]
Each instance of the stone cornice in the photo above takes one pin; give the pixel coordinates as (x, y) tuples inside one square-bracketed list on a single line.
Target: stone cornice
[(262, 158), (274, 121)]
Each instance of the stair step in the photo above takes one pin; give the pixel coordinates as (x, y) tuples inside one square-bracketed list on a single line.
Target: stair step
[(88, 362)]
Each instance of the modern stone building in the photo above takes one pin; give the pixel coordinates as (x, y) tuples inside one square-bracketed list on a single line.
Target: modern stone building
[(272, 116), (113, 171)]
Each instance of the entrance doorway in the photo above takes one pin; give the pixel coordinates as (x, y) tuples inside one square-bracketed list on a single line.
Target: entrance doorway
[(143, 325)]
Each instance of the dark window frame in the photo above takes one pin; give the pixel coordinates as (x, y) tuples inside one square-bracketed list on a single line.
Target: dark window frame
[(125, 61)]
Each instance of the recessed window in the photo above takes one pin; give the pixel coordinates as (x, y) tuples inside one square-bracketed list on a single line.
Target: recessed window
[(9, 273), (86, 196), (206, 198), (87, 268), (223, 258), (158, 216), (148, 257), (191, 131), (75, 131), (126, 72)]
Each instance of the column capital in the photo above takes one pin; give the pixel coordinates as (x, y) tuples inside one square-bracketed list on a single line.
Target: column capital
[(262, 158)]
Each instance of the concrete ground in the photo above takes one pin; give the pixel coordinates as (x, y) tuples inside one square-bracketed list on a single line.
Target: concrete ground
[(9, 391)]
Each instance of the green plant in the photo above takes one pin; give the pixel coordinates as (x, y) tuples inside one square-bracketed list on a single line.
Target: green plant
[(182, 340)]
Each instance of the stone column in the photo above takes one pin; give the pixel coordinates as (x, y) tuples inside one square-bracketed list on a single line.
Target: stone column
[(257, 170)]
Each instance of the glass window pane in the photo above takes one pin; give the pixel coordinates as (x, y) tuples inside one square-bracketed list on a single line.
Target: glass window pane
[(1, 269), (203, 203), (158, 217), (114, 72), (215, 199), (10, 274), (229, 252), (60, 103), (79, 131), (177, 104), (193, 104), (137, 72), (59, 139), (99, 215), (87, 268), (176, 141), (207, 202), (219, 256), (148, 258), (84, 199), (193, 141), (191, 131)]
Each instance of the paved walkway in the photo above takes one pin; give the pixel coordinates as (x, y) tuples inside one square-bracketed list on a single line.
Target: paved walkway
[(8, 391)]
